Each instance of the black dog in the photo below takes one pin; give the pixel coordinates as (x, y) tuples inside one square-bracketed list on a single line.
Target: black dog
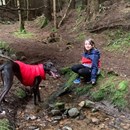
[(35, 74)]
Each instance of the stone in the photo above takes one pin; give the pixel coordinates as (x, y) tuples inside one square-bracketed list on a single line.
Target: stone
[(55, 112), (57, 118), (89, 104), (82, 104), (67, 128), (73, 112), (60, 105), (95, 120)]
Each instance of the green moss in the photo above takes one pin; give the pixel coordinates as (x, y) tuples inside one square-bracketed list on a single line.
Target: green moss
[(118, 40), (65, 70), (69, 83), (98, 96), (114, 90), (4, 124), (109, 87), (123, 86), (81, 36), (84, 89), (5, 46), (60, 105), (23, 34), (70, 76), (20, 93)]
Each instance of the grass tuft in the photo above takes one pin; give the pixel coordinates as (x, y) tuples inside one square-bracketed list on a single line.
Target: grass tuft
[(23, 35)]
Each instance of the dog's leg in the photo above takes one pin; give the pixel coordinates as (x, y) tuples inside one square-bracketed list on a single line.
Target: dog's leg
[(7, 78), (36, 89)]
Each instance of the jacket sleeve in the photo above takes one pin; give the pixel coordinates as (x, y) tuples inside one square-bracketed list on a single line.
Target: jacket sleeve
[(95, 59)]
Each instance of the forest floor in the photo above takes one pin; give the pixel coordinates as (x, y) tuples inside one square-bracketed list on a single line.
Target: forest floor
[(64, 52)]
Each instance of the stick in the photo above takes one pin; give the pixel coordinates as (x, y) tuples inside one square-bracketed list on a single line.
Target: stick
[(6, 57), (64, 14)]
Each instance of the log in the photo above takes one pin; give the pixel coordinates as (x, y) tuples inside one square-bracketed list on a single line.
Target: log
[(102, 28)]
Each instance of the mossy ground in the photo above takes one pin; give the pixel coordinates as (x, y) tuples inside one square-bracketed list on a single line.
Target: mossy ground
[(109, 87), (4, 124), (23, 35)]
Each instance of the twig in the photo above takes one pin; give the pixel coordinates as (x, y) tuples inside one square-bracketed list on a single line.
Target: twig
[(6, 57), (64, 14)]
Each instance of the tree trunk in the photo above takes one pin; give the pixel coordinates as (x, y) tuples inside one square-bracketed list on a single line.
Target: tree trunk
[(1, 2), (84, 3), (27, 1), (47, 9), (92, 9), (54, 11), (21, 21), (72, 6)]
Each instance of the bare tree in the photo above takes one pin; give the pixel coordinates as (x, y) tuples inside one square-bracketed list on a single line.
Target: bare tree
[(47, 9), (21, 21), (92, 9), (72, 5), (54, 11), (64, 16), (27, 1), (84, 3)]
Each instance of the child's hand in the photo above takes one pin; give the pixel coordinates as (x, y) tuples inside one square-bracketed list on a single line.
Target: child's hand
[(93, 81)]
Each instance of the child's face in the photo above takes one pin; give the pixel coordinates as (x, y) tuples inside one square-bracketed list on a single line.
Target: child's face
[(88, 46)]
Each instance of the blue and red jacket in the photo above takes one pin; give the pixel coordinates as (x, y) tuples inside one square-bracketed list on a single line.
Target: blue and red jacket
[(29, 72), (92, 60)]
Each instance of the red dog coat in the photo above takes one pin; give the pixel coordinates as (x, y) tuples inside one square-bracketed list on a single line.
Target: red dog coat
[(29, 72)]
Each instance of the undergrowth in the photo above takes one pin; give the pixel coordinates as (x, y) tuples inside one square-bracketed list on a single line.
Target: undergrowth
[(4, 47), (4, 124), (118, 40), (20, 93), (112, 88), (23, 35)]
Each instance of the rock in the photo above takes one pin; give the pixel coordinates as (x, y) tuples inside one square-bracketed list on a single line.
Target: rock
[(81, 117), (30, 117), (55, 112), (60, 105), (73, 112), (82, 104), (89, 104), (13, 56), (33, 128), (54, 122), (95, 120), (94, 110), (67, 128), (57, 118), (102, 126)]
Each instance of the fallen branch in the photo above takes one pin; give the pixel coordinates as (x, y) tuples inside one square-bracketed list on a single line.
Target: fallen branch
[(102, 28), (64, 14), (6, 57)]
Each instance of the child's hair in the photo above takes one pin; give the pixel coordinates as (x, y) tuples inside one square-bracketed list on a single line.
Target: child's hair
[(91, 42)]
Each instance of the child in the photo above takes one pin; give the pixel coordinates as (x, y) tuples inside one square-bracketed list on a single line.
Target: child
[(90, 63)]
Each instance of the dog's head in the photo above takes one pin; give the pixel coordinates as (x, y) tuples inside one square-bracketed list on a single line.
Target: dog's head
[(51, 69)]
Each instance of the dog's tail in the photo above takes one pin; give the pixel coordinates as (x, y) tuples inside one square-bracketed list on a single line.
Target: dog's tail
[(6, 57)]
